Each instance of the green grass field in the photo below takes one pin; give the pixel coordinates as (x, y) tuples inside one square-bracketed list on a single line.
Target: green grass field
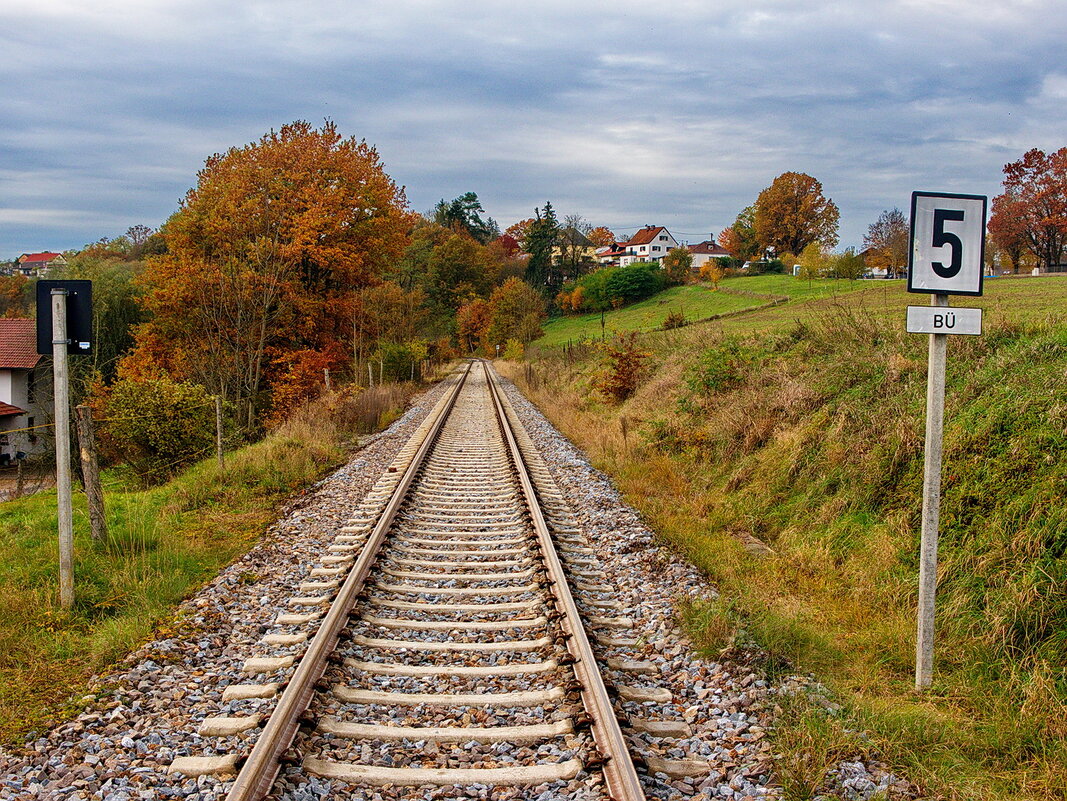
[(696, 302)]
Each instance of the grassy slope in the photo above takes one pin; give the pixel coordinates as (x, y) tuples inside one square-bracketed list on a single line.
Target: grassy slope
[(696, 302), (808, 437), (163, 544)]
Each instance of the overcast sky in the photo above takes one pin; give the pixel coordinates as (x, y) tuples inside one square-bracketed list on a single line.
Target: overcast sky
[(629, 113)]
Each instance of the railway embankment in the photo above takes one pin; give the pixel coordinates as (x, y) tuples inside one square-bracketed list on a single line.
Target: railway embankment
[(782, 455)]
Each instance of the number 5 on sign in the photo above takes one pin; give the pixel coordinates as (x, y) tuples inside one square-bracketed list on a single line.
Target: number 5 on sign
[(947, 243)]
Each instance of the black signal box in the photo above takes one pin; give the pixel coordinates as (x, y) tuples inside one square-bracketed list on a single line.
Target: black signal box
[(79, 316)]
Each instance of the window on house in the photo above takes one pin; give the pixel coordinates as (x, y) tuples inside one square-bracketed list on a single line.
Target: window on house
[(662, 238), (655, 247), (31, 386), (643, 248), (33, 434)]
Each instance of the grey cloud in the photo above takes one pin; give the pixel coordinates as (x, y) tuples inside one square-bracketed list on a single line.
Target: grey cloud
[(625, 113)]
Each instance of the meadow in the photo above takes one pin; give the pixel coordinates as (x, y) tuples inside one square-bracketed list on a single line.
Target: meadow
[(695, 302)]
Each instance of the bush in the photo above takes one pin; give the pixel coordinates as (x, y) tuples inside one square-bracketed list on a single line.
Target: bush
[(621, 370), (612, 287), (674, 319), (636, 281), (513, 350), (158, 425)]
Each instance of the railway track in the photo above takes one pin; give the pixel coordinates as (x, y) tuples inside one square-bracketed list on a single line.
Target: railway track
[(438, 642)]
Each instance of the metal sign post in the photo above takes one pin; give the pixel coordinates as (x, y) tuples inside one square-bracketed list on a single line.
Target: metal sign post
[(945, 258)]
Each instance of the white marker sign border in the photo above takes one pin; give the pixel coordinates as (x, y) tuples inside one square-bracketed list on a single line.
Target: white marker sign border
[(927, 249), (920, 320)]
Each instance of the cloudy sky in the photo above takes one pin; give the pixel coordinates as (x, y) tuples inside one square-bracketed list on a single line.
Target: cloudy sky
[(629, 113)]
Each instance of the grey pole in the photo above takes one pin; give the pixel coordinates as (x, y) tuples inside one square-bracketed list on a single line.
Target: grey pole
[(220, 454), (935, 412), (62, 418)]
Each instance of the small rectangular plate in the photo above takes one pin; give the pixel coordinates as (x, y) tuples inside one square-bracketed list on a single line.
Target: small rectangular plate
[(944, 320)]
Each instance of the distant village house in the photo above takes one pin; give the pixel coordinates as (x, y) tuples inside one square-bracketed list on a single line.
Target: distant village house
[(703, 252), (650, 243), (38, 264), (21, 404)]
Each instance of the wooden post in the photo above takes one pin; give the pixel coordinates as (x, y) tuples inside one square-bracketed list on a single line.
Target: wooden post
[(935, 412), (94, 493), (326, 375), (220, 454), (20, 480), (64, 516)]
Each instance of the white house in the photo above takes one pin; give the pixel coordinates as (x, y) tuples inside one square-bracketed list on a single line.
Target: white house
[(650, 243), (20, 386), (703, 252)]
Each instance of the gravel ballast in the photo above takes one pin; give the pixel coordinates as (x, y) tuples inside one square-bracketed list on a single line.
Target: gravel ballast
[(147, 711)]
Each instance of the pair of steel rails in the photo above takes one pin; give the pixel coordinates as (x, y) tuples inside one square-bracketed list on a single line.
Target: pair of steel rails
[(260, 770)]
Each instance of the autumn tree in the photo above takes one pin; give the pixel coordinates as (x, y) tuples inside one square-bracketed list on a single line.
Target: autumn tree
[(847, 264), (509, 244), (1007, 228), (463, 215), (517, 312), (472, 325), (1037, 186), (265, 257), (713, 270), (792, 213), (740, 238), (814, 262), (886, 242), (601, 236), (457, 271), (386, 313), (15, 300), (518, 231), (677, 265)]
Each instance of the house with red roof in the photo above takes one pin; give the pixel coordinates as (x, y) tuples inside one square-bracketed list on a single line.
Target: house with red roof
[(22, 402), (650, 243), (609, 255), (39, 264), (703, 252)]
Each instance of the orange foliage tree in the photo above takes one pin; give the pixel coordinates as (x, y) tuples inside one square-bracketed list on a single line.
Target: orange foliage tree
[(265, 258), (472, 324), (792, 213), (601, 236), (1037, 186)]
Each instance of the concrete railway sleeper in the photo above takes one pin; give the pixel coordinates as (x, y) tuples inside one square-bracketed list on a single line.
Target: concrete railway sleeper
[(438, 641)]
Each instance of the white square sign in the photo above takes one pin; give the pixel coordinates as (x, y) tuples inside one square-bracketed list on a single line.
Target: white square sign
[(947, 246)]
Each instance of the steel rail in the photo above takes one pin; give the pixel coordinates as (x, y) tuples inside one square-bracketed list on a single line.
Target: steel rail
[(260, 770), (620, 775)]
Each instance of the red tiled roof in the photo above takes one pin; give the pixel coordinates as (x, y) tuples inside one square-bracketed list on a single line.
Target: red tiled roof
[(35, 257), (18, 344), (644, 236), (709, 248), (7, 410)]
